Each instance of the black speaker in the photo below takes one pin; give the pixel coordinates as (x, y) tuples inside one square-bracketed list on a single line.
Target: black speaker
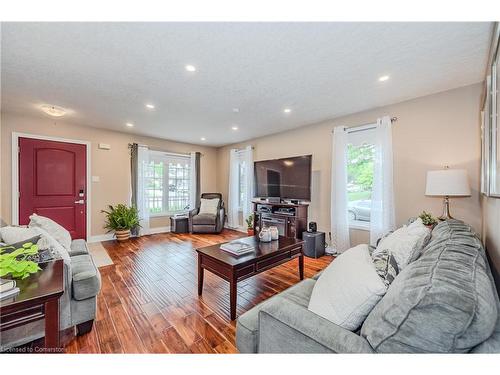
[(312, 227), (314, 244)]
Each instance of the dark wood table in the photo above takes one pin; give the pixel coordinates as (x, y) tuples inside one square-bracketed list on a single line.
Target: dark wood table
[(38, 299), (237, 268)]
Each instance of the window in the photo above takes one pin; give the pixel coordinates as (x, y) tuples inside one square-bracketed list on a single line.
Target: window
[(167, 183), (360, 154)]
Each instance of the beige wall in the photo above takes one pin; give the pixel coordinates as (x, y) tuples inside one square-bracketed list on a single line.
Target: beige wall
[(432, 131), (113, 166)]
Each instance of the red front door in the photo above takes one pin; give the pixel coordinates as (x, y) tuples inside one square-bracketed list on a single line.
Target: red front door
[(52, 183)]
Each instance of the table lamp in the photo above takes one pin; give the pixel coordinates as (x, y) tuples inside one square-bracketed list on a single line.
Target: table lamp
[(447, 183)]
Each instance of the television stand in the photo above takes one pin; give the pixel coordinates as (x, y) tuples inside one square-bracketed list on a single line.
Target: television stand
[(290, 219)]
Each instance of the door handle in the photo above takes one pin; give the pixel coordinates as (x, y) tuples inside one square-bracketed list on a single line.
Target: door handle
[(81, 201)]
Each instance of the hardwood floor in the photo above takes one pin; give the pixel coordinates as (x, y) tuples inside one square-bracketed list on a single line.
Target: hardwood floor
[(149, 303)]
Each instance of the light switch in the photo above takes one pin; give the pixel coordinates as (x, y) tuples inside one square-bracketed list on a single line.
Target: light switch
[(96, 179)]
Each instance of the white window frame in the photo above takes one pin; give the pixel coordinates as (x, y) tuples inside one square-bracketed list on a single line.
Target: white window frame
[(167, 156), (360, 130)]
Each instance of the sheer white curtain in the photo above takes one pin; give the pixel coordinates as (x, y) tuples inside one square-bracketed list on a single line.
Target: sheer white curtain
[(382, 217), (339, 218), (233, 199), (192, 181), (246, 156), (142, 203)]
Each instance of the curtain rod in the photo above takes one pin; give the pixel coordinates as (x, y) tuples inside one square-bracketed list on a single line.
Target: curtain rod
[(166, 152), (393, 119)]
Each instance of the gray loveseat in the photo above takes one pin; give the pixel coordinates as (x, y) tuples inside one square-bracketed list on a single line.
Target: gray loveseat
[(444, 302), (77, 306)]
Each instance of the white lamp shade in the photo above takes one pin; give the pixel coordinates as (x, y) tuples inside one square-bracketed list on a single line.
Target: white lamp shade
[(452, 182)]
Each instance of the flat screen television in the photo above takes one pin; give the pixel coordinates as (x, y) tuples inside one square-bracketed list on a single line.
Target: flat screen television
[(287, 178)]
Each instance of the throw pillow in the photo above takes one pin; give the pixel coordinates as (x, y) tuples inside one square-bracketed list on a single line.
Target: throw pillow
[(348, 289), (56, 231), (209, 206), (17, 245), (386, 266), (406, 243), (48, 242), (11, 235)]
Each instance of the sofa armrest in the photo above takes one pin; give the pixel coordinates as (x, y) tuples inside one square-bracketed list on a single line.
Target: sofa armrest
[(286, 327)]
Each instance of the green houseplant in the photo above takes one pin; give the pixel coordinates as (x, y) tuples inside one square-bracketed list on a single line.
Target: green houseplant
[(249, 221), (427, 219), (121, 219), (14, 261)]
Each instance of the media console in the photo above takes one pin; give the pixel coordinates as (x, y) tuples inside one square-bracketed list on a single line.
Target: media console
[(290, 219)]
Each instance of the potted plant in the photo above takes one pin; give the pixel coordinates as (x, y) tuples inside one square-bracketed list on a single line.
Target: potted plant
[(428, 220), (249, 221), (121, 219)]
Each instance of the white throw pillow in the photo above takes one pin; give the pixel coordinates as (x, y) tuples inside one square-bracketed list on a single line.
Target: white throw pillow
[(12, 235), (50, 226), (348, 289), (209, 206), (406, 243)]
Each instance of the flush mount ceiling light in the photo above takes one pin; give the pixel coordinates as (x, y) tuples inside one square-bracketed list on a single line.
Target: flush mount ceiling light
[(150, 106), (203, 139), (129, 124), (287, 110), (190, 68), (383, 78), (53, 110), (234, 127)]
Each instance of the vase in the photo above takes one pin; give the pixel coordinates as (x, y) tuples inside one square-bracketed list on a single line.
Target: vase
[(122, 235), (250, 232)]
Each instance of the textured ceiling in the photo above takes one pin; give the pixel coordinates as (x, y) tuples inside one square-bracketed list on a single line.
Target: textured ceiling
[(106, 72)]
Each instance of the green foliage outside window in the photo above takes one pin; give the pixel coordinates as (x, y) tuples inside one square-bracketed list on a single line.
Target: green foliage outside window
[(360, 171)]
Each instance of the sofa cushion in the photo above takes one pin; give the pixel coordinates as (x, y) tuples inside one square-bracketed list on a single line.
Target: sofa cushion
[(348, 289), (443, 302), (204, 219), (86, 277), (247, 332), (78, 247)]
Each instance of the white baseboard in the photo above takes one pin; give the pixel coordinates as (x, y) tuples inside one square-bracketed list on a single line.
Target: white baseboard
[(111, 236)]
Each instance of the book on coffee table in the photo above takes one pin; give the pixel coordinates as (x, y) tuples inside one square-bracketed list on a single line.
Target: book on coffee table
[(237, 247)]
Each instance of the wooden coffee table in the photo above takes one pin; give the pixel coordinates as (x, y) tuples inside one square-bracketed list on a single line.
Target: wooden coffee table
[(237, 268)]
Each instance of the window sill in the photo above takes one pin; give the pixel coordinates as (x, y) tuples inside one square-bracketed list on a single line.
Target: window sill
[(168, 214), (359, 225)]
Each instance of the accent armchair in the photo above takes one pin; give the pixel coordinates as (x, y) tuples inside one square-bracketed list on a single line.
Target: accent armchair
[(208, 223)]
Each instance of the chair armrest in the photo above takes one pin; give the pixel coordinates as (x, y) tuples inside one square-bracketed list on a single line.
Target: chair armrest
[(286, 327), (192, 213)]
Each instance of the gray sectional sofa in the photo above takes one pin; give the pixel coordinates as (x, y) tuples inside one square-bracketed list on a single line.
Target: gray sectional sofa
[(77, 306), (443, 302)]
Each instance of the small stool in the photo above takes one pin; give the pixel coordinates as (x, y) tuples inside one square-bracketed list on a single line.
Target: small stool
[(179, 224)]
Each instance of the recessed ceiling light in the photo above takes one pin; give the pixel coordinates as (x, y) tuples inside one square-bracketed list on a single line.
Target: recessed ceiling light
[(129, 124), (236, 110), (383, 78), (234, 127), (190, 68), (287, 110), (150, 106), (53, 110), (203, 139)]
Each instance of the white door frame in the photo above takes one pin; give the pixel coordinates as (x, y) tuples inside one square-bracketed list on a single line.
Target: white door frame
[(15, 172)]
